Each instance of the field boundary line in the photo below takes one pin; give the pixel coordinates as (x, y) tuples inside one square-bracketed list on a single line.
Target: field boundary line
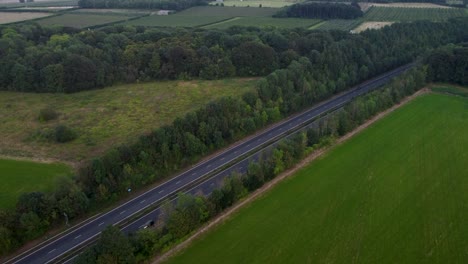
[(284, 175), (220, 22)]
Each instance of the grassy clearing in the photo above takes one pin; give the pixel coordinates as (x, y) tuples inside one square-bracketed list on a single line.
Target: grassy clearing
[(12, 17), (412, 14), (265, 22), (257, 3), (396, 193), (19, 177), (103, 118), (81, 20)]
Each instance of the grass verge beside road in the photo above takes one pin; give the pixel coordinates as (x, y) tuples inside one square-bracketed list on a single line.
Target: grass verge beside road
[(376, 198)]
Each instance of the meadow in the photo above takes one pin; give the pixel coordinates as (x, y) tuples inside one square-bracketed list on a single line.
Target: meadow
[(25, 176), (81, 20), (103, 118), (395, 193), (175, 21)]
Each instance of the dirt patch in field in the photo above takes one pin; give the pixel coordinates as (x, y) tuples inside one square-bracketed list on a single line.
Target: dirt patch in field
[(268, 186), (371, 25), (11, 17)]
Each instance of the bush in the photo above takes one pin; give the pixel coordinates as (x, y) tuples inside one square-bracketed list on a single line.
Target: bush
[(64, 134), (47, 114)]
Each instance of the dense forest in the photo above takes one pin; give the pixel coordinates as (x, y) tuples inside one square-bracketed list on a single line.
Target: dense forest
[(321, 10), (190, 212), (449, 64), (142, 4), (316, 65)]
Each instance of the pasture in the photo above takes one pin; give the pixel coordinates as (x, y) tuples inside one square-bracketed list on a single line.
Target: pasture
[(81, 20), (395, 193), (175, 21), (13, 17), (19, 177), (103, 118)]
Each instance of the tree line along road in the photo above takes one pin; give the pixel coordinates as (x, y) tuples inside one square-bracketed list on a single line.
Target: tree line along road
[(192, 181)]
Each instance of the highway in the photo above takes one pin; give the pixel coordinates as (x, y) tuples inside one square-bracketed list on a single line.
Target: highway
[(56, 247)]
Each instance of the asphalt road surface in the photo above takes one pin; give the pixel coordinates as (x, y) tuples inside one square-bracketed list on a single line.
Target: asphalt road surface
[(56, 247)]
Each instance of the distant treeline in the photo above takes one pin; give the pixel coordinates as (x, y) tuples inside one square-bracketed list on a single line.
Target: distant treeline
[(190, 212), (321, 10), (320, 64), (142, 4), (449, 65)]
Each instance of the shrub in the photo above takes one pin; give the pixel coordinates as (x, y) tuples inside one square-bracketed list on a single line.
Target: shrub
[(64, 134), (47, 114)]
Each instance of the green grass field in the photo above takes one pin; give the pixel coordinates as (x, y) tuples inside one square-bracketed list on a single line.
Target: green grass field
[(395, 193), (257, 3), (103, 118), (19, 177), (412, 14), (81, 20), (339, 24), (265, 22), (208, 15), (175, 21)]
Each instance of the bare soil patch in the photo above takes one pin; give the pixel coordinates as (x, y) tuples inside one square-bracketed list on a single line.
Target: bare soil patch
[(371, 25), (11, 17)]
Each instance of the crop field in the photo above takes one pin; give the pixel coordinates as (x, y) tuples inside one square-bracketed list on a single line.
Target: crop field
[(208, 15), (371, 25), (12, 17), (81, 20), (395, 193), (19, 177), (257, 3), (412, 14), (227, 11), (265, 22), (175, 21), (103, 118), (339, 24), (42, 3)]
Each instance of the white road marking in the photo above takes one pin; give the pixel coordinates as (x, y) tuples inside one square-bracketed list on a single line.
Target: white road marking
[(177, 182), (194, 173), (208, 166), (161, 191), (235, 152), (101, 224), (248, 145), (143, 201), (122, 212), (240, 168), (51, 251), (222, 159), (77, 236)]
